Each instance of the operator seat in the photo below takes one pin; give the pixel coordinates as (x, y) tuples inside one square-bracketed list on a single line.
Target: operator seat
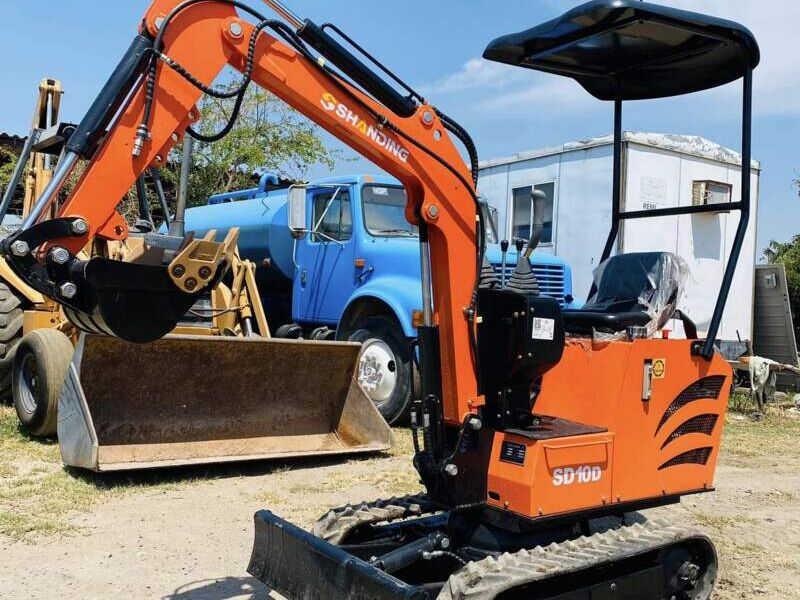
[(634, 289)]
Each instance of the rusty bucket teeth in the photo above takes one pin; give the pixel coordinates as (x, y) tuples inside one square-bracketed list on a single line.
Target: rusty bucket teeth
[(198, 399)]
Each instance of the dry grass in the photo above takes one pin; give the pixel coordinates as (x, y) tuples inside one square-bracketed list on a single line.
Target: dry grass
[(35, 492), (303, 500), (745, 439), (38, 495)]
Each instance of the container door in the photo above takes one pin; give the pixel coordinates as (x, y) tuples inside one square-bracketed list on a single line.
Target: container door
[(325, 277)]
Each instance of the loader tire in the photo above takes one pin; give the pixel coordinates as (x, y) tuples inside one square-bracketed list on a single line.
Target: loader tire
[(290, 331), (385, 366), (40, 367), (11, 316)]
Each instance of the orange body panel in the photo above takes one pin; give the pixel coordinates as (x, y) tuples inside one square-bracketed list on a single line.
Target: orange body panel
[(601, 385), (559, 475), (200, 39)]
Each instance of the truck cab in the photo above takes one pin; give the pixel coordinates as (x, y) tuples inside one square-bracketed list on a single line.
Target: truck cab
[(351, 271)]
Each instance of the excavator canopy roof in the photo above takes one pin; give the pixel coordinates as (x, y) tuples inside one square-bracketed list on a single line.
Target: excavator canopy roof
[(632, 50)]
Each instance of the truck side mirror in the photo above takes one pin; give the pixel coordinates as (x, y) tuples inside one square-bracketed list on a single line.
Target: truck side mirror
[(297, 211)]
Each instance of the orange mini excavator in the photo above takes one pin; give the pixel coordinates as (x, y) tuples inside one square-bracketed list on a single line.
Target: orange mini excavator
[(538, 436)]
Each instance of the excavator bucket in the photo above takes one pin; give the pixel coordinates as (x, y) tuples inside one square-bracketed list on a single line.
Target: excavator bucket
[(202, 399)]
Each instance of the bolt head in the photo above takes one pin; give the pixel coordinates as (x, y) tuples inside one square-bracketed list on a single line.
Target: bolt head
[(179, 271), (236, 29), (476, 423), (433, 211), (191, 284), (68, 290), (445, 543), (427, 117), (159, 22), (451, 469), (20, 248), (79, 227), (59, 255), (205, 272)]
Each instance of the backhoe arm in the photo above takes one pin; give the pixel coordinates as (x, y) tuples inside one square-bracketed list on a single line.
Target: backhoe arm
[(196, 41)]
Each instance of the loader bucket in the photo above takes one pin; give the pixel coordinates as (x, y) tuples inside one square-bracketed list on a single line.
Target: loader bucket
[(201, 399)]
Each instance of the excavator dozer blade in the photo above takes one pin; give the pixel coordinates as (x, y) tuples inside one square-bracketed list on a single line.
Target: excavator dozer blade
[(200, 399)]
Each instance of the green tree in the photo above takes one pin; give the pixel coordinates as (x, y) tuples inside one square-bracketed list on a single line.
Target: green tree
[(8, 162), (268, 136), (788, 254)]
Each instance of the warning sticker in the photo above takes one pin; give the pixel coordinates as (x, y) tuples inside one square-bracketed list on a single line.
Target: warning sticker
[(659, 367), (543, 329)]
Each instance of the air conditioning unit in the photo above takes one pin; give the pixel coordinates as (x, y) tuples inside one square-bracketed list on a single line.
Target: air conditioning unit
[(711, 192)]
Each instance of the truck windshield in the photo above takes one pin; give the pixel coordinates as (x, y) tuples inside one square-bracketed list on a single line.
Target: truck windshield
[(385, 212)]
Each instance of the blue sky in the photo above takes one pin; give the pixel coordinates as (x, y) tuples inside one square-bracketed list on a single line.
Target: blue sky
[(435, 45)]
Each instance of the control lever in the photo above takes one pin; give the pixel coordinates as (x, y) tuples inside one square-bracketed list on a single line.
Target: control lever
[(504, 249), (538, 198)]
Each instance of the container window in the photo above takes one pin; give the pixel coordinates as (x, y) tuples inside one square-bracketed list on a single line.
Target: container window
[(711, 192), (523, 212)]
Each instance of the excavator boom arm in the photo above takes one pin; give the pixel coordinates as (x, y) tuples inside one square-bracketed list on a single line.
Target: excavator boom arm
[(197, 41)]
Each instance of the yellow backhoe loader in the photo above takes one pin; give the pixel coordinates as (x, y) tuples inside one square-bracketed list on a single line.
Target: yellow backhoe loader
[(216, 389), (22, 308)]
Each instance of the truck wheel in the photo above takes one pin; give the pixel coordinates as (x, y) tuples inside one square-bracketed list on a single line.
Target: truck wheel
[(10, 335), (384, 366), (40, 367)]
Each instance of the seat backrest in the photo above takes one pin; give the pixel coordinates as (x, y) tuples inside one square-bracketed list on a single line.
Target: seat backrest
[(640, 281)]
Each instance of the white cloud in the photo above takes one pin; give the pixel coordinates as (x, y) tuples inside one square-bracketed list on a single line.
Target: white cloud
[(776, 81), (485, 85), (476, 73)]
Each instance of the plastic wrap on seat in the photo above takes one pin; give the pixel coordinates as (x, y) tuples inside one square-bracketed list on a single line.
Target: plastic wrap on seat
[(648, 282)]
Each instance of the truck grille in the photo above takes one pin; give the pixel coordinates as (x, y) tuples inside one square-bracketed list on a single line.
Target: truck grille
[(550, 277)]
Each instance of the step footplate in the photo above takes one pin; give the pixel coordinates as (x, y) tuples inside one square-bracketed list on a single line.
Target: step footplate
[(301, 566)]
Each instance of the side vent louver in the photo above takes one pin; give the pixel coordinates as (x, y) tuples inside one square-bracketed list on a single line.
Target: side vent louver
[(698, 456), (707, 388), (699, 424)]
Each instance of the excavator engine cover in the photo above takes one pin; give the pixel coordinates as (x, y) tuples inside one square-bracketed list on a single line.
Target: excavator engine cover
[(203, 399)]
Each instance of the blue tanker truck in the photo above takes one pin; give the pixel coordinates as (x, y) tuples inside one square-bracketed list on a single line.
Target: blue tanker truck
[(348, 270)]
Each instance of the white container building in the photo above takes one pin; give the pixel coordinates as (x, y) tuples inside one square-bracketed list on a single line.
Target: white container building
[(659, 171)]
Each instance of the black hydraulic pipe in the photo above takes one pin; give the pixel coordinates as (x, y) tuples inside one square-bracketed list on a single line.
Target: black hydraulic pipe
[(178, 226), (375, 85), (707, 350), (19, 171), (93, 126), (162, 197), (407, 555), (143, 202)]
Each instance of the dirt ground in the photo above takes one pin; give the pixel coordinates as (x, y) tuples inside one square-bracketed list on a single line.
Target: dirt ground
[(187, 534)]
